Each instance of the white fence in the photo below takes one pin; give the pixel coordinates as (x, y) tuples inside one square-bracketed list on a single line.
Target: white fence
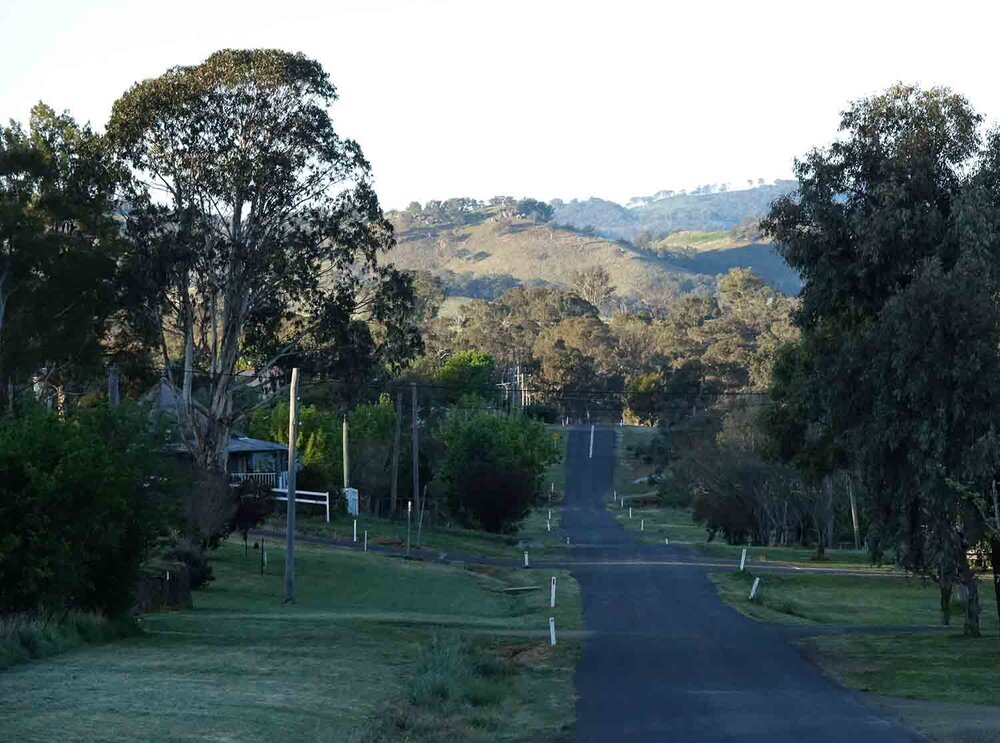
[(310, 496), (274, 479)]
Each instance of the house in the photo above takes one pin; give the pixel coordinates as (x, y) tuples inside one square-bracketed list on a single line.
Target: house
[(255, 459), (248, 459)]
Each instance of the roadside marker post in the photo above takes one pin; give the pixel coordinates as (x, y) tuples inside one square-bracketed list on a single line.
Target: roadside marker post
[(666, 540), (355, 530), (550, 514), (567, 541), (409, 516), (630, 511), (552, 630), (366, 540), (743, 560), (526, 558), (552, 594), (591, 440), (753, 588), (548, 526), (642, 524)]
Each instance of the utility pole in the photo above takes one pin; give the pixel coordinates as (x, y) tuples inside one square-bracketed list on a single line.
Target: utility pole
[(416, 445), (347, 458), (293, 429), (395, 455), (854, 512), (113, 396)]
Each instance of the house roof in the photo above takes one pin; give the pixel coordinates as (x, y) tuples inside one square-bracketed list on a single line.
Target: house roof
[(239, 443), (165, 400)]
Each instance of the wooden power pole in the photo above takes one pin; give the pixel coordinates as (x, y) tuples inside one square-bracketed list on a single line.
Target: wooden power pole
[(347, 458), (293, 429), (113, 395), (416, 446), (394, 492)]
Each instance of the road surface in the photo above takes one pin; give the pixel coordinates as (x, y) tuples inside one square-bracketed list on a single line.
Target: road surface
[(667, 660)]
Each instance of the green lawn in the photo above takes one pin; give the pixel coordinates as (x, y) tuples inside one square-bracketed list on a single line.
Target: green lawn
[(940, 667), (937, 665), (341, 663), (449, 540), (660, 523), (877, 600), (835, 558)]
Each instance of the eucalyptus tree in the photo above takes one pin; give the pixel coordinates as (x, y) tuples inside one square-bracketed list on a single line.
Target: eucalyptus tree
[(58, 249), (897, 365), (256, 234)]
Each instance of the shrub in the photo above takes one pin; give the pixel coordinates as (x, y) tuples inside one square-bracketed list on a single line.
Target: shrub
[(492, 466), (194, 554), (254, 503), (82, 503)]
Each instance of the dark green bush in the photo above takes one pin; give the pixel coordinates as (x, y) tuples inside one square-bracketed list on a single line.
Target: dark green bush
[(195, 555), (82, 502), (492, 466)]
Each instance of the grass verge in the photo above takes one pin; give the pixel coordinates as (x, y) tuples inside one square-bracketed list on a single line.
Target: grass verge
[(876, 600), (943, 667), (244, 666), (630, 463), (938, 666)]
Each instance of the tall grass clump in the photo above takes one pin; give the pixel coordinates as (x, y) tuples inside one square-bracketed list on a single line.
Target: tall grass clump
[(26, 636)]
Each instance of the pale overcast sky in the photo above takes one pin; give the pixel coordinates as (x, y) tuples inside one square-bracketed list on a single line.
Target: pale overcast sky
[(546, 98)]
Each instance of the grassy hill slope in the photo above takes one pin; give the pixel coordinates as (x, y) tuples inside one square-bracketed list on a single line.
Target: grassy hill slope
[(534, 253)]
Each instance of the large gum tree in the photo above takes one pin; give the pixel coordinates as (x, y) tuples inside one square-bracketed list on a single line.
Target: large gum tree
[(255, 235)]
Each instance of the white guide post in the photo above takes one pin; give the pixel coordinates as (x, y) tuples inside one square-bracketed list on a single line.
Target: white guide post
[(591, 440), (567, 541), (355, 530), (548, 526), (526, 558), (753, 588), (552, 630), (366, 541), (666, 540), (552, 593), (642, 524), (409, 517), (743, 560), (630, 511)]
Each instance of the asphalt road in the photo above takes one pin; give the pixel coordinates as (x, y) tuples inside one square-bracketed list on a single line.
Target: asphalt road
[(666, 660)]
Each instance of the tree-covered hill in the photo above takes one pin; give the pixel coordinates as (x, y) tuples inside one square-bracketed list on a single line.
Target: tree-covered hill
[(706, 208)]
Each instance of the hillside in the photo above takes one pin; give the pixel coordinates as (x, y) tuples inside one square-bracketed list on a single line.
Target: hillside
[(669, 212), (481, 250), (719, 251), (491, 246)]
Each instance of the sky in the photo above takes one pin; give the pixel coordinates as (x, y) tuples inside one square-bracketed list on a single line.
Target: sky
[(548, 99)]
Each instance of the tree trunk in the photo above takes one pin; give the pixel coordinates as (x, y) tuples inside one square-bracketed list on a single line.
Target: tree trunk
[(945, 585), (971, 583), (995, 561)]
